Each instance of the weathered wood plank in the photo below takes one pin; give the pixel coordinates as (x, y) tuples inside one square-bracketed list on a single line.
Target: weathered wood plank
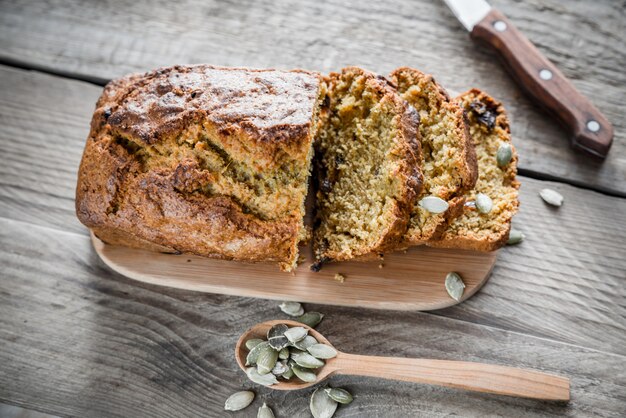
[(77, 339), (583, 38), (570, 268), (44, 122)]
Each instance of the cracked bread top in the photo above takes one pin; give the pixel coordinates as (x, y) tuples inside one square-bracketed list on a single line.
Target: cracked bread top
[(205, 160)]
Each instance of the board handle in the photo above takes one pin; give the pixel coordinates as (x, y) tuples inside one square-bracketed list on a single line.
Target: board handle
[(477, 377), (590, 130)]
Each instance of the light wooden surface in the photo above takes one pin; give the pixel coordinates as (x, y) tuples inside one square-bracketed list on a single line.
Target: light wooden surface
[(583, 38), (77, 339), (404, 281), (477, 377)]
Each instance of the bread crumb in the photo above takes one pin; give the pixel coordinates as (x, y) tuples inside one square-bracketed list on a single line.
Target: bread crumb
[(381, 266), (340, 277)]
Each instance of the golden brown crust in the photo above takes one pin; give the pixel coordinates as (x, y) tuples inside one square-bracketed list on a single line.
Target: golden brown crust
[(406, 148), (140, 184), (486, 232), (460, 168)]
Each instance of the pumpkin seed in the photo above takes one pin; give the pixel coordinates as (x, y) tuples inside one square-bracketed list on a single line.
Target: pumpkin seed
[(288, 374), (515, 237), (306, 375), (283, 354), (253, 355), (267, 360), (322, 351), (433, 204), (276, 336), (265, 412), (305, 343), (296, 334), (250, 344), (504, 154), (265, 379), (311, 318), (551, 197), (454, 285), (339, 395), (291, 308), (483, 203), (307, 360), (239, 400), (321, 405), (280, 368)]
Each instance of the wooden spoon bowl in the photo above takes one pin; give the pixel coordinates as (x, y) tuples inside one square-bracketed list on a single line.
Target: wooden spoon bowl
[(260, 331), (479, 377)]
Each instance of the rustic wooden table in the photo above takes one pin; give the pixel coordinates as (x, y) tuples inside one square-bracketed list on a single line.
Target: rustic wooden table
[(77, 339)]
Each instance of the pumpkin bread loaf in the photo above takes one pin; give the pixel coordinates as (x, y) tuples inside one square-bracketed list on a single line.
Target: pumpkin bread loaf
[(203, 160), (489, 129), (449, 161), (367, 156)]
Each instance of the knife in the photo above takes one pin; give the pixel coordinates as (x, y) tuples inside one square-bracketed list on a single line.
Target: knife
[(590, 130)]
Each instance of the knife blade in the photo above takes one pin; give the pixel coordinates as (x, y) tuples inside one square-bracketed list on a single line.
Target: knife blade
[(542, 80)]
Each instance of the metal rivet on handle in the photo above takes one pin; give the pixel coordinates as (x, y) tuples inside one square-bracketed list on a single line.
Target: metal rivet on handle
[(545, 74), (593, 126), (499, 25)]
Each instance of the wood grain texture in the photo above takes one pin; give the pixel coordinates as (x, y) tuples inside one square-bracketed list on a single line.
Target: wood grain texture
[(411, 280), (570, 267), (582, 38), (77, 339)]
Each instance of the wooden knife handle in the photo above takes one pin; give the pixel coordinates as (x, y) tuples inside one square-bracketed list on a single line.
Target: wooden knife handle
[(590, 130)]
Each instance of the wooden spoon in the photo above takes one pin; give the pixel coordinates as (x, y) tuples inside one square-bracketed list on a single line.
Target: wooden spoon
[(478, 377)]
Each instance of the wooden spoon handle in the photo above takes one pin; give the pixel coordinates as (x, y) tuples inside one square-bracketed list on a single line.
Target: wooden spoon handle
[(590, 130), (458, 374)]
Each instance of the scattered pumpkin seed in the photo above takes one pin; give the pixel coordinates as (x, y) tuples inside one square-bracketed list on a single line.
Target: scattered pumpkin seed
[(515, 237), (305, 343), (265, 412), (296, 334), (504, 154), (265, 379), (322, 351), (250, 344), (306, 360), (551, 197), (339, 395), (454, 286), (284, 353), (267, 360), (433, 204), (306, 375), (239, 400), (311, 319), (280, 368), (253, 355), (483, 203), (321, 405), (276, 336), (291, 308)]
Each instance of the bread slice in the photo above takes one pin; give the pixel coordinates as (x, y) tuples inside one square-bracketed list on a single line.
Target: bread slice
[(204, 160), (449, 161), (489, 129), (368, 167)]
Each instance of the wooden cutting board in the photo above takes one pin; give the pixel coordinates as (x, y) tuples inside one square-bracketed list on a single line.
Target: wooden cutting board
[(406, 281)]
